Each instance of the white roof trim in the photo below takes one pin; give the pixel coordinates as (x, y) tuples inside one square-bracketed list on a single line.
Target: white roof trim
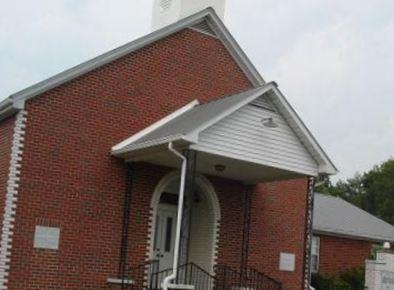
[(152, 143), (155, 125), (302, 132), (354, 236), (235, 50), (191, 137), (306, 136), (254, 96), (9, 107), (83, 68)]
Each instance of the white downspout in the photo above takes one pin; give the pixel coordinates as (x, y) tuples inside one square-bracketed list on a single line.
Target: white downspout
[(172, 277)]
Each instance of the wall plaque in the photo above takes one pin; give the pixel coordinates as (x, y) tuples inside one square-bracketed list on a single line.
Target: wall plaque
[(287, 262), (46, 238)]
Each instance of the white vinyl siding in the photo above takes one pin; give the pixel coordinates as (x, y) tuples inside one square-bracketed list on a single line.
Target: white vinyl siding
[(202, 234), (242, 135), (263, 103)]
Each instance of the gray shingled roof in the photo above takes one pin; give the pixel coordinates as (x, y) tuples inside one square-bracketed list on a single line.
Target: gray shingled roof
[(186, 127), (333, 215), (16, 101), (195, 118)]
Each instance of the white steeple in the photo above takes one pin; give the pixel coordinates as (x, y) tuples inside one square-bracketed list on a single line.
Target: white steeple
[(166, 12)]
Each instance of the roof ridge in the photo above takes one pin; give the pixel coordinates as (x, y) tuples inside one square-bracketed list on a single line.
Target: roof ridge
[(207, 14), (328, 195), (232, 95)]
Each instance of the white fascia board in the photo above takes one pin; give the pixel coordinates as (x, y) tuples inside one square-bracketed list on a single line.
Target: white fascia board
[(353, 236), (9, 107), (110, 56), (326, 166), (152, 143), (208, 14), (155, 126), (259, 92), (235, 49)]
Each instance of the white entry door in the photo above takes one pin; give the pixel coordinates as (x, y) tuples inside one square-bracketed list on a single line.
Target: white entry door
[(163, 248)]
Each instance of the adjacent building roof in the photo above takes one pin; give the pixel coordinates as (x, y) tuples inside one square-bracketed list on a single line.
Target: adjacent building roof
[(335, 216)]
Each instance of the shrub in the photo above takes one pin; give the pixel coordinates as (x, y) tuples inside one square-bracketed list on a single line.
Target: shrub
[(349, 280), (355, 278)]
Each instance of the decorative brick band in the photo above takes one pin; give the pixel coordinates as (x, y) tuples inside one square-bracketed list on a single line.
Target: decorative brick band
[(308, 233), (216, 244), (149, 245), (11, 198)]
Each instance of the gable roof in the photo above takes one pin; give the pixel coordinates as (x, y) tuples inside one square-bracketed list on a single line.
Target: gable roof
[(212, 23), (335, 216), (16, 101), (186, 126), (191, 122)]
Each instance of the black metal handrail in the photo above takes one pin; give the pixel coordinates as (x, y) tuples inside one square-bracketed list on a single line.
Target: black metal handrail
[(148, 276), (262, 281), (187, 274), (250, 279), (226, 278), (141, 276)]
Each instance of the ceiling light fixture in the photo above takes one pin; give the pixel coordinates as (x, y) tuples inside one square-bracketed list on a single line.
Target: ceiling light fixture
[(269, 122), (220, 167)]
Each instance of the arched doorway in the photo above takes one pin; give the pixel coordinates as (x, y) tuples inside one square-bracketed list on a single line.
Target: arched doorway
[(204, 223)]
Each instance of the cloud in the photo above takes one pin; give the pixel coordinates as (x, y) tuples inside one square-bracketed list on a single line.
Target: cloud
[(338, 75), (332, 58), (43, 37)]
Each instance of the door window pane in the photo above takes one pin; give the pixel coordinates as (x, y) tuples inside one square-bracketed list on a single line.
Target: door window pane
[(156, 233), (167, 246)]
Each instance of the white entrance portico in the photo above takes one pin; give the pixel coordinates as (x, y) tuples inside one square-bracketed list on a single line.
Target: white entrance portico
[(204, 222), (250, 137)]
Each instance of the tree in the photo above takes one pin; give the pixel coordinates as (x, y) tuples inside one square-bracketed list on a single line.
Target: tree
[(379, 183), (372, 191)]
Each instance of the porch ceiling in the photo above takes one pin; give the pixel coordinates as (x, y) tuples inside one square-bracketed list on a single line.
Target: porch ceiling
[(235, 169)]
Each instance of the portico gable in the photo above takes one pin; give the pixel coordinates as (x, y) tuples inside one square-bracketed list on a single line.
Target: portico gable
[(251, 136)]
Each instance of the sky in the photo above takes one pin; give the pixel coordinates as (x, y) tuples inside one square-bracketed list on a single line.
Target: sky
[(334, 60)]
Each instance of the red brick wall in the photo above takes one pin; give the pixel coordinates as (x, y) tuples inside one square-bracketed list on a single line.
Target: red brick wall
[(230, 195), (69, 179), (145, 179), (277, 209), (6, 136), (278, 225), (340, 254)]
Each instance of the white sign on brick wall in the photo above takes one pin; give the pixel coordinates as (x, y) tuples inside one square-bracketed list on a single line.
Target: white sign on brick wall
[(287, 262), (46, 238)]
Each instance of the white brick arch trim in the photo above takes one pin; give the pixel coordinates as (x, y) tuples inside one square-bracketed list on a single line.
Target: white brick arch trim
[(209, 192), (200, 180), (11, 197)]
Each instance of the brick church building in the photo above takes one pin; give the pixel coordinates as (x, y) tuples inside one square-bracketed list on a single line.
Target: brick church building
[(170, 151)]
